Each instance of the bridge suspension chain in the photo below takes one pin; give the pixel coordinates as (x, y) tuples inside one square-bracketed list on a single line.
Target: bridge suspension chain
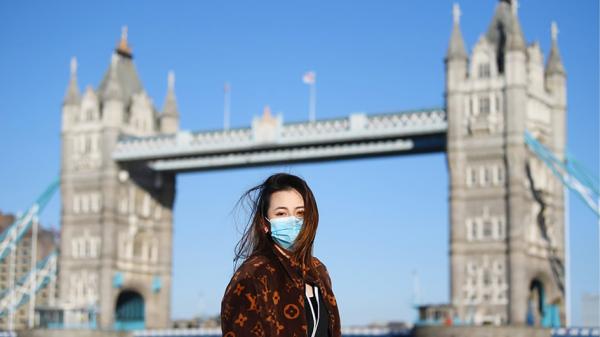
[(15, 232), (569, 172), (38, 278)]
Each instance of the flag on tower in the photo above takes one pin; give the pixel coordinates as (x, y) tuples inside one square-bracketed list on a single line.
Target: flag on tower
[(309, 77)]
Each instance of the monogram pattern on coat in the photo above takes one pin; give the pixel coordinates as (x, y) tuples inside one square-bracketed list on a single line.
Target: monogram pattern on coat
[(291, 311), (265, 298)]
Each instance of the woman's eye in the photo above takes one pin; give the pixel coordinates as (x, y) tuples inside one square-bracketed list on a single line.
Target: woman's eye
[(279, 214)]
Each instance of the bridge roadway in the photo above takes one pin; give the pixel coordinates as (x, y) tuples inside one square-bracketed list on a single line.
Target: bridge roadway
[(268, 141)]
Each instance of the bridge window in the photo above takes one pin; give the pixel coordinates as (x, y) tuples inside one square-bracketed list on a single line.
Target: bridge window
[(484, 70), (88, 145), (484, 105), (85, 203), (501, 230), (486, 177), (471, 230), (471, 176), (471, 111), (497, 103), (499, 174), (487, 279), (487, 229)]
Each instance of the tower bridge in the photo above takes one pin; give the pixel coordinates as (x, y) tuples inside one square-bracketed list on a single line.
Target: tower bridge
[(121, 156)]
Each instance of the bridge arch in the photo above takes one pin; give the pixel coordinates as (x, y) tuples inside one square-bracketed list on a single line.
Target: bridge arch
[(129, 310)]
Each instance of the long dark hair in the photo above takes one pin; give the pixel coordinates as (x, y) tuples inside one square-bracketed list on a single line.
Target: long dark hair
[(255, 240)]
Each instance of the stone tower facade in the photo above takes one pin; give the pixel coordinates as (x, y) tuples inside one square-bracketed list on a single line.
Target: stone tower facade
[(116, 230), (506, 208)]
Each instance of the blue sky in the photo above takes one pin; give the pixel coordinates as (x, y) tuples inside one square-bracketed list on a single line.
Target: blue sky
[(381, 219)]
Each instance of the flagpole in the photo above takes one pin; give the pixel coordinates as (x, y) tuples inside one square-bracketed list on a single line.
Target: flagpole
[(313, 101), (226, 107)]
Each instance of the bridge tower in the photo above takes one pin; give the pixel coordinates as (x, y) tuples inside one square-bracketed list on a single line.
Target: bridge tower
[(116, 254), (506, 208)]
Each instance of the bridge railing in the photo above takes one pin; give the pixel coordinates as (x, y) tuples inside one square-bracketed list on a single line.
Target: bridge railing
[(265, 131)]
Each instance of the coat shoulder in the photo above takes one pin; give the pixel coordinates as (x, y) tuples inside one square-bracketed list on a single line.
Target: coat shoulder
[(253, 267), (320, 266), (247, 274), (318, 263)]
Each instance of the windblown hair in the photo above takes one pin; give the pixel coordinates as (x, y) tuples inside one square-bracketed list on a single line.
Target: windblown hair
[(257, 199)]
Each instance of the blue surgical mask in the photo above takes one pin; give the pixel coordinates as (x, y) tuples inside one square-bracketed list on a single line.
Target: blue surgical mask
[(285, 230)]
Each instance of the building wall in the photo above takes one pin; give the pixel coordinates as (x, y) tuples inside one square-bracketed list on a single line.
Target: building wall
[(506, 207), (116, 222), (47, 296)]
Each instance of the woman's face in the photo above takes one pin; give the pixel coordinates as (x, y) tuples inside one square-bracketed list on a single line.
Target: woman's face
[(285, 203)]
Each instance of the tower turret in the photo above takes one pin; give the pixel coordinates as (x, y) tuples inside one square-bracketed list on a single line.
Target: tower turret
[(112, 96), (169, 119), (456, 55), (556, 84), (72, 98), (555, 71)]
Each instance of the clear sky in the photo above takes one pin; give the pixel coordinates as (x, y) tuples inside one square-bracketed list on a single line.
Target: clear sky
[(381, 219)]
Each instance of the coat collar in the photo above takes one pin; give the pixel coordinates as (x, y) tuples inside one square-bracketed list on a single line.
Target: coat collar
[(298, 273)]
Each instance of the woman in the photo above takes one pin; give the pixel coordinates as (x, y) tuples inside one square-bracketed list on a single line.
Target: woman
[(280, 289)]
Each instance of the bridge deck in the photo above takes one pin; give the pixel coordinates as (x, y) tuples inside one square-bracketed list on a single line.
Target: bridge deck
[(269, 141)]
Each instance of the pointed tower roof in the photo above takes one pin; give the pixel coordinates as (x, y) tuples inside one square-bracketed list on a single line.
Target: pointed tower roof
[(505, 26), (554, 65), (504, 32), (515, 39), (111, 89), (500, 24), (72, 96), (122, 70), (170, 106), (456, 48)]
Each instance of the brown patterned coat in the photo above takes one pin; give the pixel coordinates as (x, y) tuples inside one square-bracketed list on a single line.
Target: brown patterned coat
[(265, 298)]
